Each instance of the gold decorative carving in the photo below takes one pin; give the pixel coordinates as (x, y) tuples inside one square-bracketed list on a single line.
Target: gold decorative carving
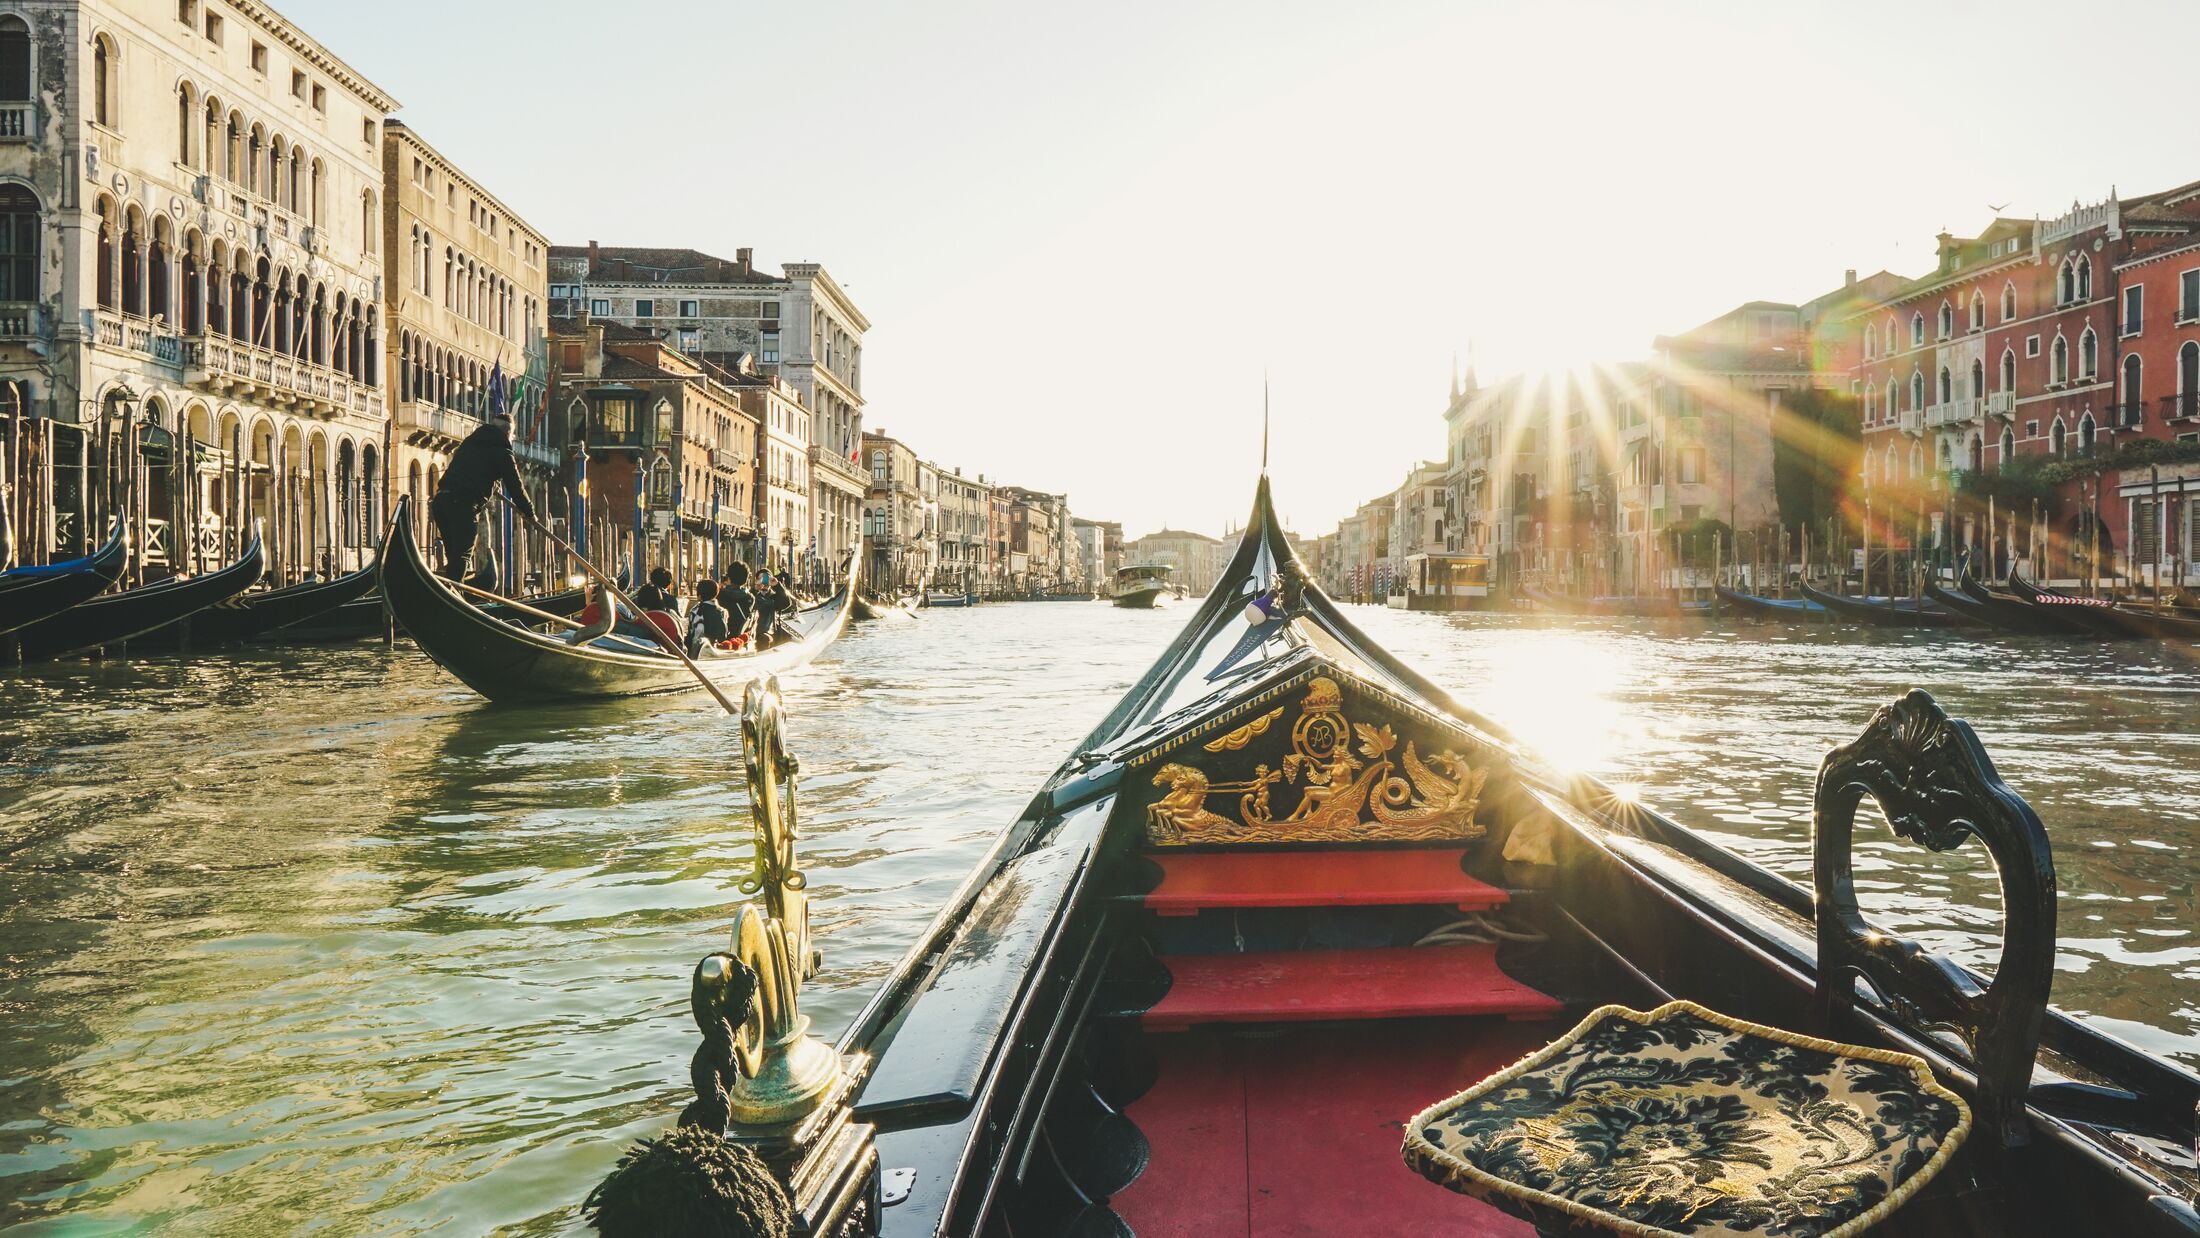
[(1245, 734), (1353, 784)]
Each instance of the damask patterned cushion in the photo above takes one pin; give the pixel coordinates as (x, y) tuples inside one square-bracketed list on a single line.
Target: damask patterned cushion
[(1683, 1121)]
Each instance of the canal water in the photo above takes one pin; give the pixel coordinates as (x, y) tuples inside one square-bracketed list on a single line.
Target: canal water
[(308, 941)]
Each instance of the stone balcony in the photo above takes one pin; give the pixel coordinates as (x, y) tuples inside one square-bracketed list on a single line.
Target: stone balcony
[(130, 334), (264, 376), (2001, 404), (1951, 413), (1911, 421), (18, 122)]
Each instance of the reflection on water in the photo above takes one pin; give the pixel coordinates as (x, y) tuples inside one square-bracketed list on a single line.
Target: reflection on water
[(310, 938)]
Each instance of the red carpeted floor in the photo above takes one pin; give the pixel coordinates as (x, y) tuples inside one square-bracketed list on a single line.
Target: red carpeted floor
[(1307, 986), (1296, 1135)]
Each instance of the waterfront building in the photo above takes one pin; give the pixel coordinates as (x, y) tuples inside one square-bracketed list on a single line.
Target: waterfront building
[(2013, 346), (1099, 548), (1189, 555), (1035, 532), (2158, 390), (799, 325), (668, 452), (190, 324), (465, 300), (895, 519), (1417, 516), (962, 550)]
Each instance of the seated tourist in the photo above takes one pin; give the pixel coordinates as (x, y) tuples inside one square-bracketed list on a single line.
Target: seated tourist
[(708, 633), (734, 595), (657, 594)]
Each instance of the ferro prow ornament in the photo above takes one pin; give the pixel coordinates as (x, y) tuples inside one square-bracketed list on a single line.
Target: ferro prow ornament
[(771, 1100)]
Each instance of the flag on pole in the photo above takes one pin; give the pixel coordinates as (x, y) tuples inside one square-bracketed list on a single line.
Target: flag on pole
[(496, 390)]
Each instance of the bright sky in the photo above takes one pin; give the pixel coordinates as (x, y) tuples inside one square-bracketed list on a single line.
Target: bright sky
[(1082, 232)]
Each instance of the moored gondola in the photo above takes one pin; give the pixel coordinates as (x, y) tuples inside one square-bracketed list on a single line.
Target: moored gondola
[(116, 618), (1784, 610), (363, 617), (1886, 612), (29, 594), (508, 663), (2102, 617), (251, 615), (1290, 900), (2017, 615)]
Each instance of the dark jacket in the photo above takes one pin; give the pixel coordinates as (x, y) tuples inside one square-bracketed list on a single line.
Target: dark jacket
[(707, 625), (739, 604), (650, 597), (482, 461)]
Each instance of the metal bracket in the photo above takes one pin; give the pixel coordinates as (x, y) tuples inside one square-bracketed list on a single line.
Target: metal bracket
[(895, 1185)]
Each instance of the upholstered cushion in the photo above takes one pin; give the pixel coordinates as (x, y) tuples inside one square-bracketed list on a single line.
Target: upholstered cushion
[(1684, 1121)]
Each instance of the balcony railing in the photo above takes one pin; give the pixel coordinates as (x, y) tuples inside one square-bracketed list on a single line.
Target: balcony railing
[(2001, 404), (2181, 407), (1911, 421), (18, 320), (226, 365), (18, 122), (129, 333)]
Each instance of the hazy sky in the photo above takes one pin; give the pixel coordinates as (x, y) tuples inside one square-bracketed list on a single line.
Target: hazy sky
[(1083, 231)]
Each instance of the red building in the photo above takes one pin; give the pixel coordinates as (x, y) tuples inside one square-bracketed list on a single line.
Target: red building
[(2158, 386), (2013, 346)]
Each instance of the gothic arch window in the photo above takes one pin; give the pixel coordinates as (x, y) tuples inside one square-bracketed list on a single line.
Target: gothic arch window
[(1894, 399), (1871, 343), (2009, 301), (1976, 455), (2089, 355), (1893, 466), (660, 483), (2056, 436), (1947, 320), (1917, 460), (1917, 329), (1917, 389), (2059, 367), (2008, 369), (2085, 278), (2188, 377), (2085, 435), (1947, 386), (1978, 310), (232, 148), (2066, 285), (2008, 446), (1892, 344), (2132, 399), (1978, 379), (19, 233)]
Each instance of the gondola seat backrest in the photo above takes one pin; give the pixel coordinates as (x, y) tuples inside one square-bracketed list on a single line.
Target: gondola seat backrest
[(1935, 785)]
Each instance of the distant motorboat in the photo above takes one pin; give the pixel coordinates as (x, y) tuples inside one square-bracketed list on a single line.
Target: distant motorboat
[(1142, 586)]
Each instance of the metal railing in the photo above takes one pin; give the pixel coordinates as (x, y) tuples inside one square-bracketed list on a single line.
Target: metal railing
[(2180, 407)]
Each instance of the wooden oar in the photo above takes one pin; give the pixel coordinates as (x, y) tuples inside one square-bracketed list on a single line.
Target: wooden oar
[(521, 607), (671, 646)]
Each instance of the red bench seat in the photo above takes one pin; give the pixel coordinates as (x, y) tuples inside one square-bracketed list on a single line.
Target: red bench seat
[(1400, 982), (1191, 883)]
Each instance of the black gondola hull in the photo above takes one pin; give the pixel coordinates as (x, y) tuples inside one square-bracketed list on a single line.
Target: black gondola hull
[(1885, 614), (26, 597), (512, 665), (119, 617), (249, 616)]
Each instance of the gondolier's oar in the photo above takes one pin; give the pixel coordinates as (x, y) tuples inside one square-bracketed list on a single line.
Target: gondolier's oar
[(671, 646)]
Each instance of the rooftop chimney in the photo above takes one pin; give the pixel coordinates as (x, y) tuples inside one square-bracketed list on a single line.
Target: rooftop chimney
[(595, 257), (746, 258), (1848, 278)]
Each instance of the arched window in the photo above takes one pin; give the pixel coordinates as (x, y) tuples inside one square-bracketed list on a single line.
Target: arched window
[(15, 61), (1893, 467), (1978, 310), (1978, 379), (2085, 435), (2131, 401), (1871, 341), (2008, 369), (1892, 345), (103, 81), (2085, 278), (186, 120), (2055, 437), (1977, 454), (2188, 378), (2008, 302), (1917, 389), (18, 244), (2060, 367), (1917, 460), (1917, 329), (2066, 285), (1947, 320), (660, 483), (1947, 386), (1894, 399), (2008, 447), (316, 203), (2089, 355)]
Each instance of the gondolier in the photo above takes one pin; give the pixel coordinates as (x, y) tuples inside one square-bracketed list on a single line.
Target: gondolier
[(482, 462)]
